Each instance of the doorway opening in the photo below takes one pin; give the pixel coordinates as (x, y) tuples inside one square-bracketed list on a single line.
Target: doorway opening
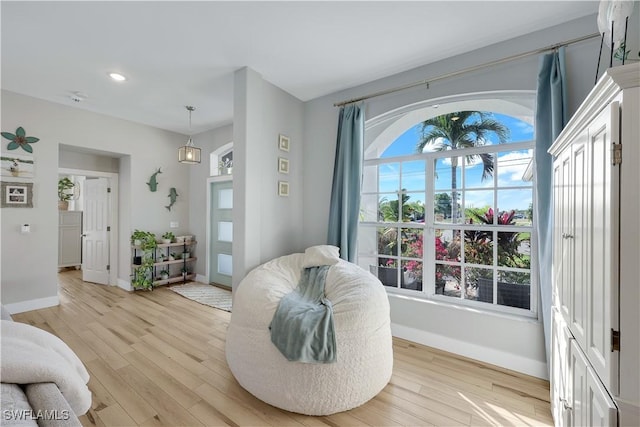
[(88, 230)]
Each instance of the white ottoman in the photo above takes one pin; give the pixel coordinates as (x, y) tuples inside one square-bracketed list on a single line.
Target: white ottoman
[(363, 340)]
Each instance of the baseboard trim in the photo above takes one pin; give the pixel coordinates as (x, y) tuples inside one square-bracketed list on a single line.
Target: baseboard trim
[(32, 304), (123, 284), (201, 278), (473, 351)]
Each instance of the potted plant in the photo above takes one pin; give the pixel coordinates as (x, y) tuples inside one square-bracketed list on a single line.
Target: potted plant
[(141, 277), (186, 255), (137, 237), (225, 167), (164, 274), (65, 193), (167, 237), (149, 244), (174, 256)]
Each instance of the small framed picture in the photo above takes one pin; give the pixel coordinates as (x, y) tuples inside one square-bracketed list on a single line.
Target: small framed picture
[(17, 195), (283, 165), (16, 165), (283, 142), (283, 188)]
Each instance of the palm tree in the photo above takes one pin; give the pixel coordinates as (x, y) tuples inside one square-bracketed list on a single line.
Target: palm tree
[(457, 130)]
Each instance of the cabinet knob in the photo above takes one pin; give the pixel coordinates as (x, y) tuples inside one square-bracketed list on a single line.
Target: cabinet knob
[(567, 236), (566, 405)]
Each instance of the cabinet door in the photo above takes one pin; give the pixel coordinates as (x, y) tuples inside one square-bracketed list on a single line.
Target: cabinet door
[(602, 263), (589, 402), (560, 341), (601, 410), (577, 237), (562, 226), (69, 238), (578, 385)]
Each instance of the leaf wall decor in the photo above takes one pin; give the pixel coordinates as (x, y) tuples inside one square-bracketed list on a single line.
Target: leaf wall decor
[(20, 139)]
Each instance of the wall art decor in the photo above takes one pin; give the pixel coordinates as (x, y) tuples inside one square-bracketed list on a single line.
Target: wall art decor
[(283, 188), (173, 195), (283, 165), (283, 142), (153, 181), (20, 139), (16, 165), (17, 195)]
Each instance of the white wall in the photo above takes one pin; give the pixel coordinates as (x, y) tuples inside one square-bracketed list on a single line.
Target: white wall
[(265, 224), (507, 341), (69, 159), (142, 150)]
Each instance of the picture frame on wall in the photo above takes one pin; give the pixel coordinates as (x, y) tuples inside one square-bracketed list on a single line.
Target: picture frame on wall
[(17, 195), (283, 165), (283, 188), (16, 165), (283, 142)]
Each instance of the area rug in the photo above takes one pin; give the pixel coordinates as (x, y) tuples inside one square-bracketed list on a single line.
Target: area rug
[(205, 294)]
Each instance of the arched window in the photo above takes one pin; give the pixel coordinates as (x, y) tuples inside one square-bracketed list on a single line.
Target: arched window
[(446, 209), (221, 160)]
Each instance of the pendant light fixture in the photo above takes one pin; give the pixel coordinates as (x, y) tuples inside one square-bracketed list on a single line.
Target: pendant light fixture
[(188, 153)]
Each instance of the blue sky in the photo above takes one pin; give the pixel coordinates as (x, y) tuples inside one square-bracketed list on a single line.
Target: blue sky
[(511, 166)]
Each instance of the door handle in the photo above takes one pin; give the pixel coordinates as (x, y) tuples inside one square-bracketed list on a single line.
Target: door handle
[(83, 235), (567, 236)]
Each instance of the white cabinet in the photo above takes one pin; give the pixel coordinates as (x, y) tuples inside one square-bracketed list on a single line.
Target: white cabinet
[(69, 239), (595, 351), (560, 342)]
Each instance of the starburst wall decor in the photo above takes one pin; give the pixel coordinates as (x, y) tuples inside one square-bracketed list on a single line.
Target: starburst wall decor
[(20, 139)]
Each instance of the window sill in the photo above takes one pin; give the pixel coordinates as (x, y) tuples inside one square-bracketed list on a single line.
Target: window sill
[(461, 305)]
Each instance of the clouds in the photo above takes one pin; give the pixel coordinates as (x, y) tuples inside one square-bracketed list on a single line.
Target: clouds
[(511, 167)]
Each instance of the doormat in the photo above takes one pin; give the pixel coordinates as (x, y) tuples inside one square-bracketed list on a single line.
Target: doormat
[(205, 294)]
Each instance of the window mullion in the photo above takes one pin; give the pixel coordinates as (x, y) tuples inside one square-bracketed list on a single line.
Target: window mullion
[(428, 234)]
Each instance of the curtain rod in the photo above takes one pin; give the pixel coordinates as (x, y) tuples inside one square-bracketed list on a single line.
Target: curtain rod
[(467, 70)]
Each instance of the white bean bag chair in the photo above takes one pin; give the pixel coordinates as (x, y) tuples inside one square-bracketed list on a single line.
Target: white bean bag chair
[(363, 339)]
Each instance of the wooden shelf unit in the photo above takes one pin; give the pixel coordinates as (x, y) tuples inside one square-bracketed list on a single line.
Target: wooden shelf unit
[(174, 277)]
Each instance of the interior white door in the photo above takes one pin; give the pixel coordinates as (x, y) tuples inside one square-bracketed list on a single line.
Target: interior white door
[(221, 238), (95, 221)]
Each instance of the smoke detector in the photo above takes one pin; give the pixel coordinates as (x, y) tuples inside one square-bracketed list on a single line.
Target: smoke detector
[(78, 96)]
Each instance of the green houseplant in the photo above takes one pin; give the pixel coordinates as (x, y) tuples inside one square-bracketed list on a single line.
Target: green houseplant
[(137, 237), (168, 237), (65, 192), (142, 277)]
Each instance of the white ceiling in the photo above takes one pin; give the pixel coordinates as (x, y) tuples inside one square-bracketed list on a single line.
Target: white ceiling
[(184, 53)]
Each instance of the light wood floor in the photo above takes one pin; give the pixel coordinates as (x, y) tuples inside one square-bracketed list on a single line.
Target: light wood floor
[(156, 358)]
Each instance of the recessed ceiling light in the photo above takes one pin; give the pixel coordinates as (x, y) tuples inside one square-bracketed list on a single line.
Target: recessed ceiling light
[(117, 77)]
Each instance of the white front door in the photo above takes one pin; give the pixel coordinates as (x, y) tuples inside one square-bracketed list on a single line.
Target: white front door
[(95, 223), (221, 233)]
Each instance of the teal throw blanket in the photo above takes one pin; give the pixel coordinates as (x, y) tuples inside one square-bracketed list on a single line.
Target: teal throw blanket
[(302, 326)]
